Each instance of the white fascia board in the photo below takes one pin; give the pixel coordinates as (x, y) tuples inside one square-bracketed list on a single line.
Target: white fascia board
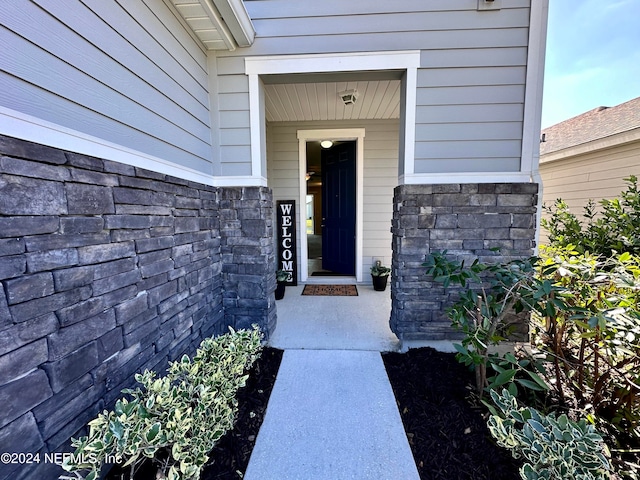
[(237, 19), (332, 62), (465, 177)]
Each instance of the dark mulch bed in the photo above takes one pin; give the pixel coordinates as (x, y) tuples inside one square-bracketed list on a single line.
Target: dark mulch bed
[(448, 437), (232, 453)]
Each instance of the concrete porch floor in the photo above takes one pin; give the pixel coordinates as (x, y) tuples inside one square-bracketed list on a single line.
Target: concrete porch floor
[(334, 323)]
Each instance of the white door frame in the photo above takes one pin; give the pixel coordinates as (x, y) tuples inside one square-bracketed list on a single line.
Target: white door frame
[(304, 136)]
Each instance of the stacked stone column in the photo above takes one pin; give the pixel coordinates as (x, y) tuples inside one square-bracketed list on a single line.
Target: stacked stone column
[(467, 220), (248, 259)]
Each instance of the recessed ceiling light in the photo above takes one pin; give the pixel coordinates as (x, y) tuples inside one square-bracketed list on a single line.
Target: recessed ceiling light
[(326, 143)]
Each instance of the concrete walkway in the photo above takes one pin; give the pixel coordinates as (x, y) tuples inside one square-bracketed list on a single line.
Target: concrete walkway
[(332, 416), (334, 323)]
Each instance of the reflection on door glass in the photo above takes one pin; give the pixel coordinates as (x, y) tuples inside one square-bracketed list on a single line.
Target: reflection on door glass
[(309, 215)]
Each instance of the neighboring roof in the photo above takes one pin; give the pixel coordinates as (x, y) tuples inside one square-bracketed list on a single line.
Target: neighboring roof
[(593, 125)]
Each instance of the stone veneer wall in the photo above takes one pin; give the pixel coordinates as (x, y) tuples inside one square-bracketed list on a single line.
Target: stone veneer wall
[(468, 220), (248, 258), (107, 270)]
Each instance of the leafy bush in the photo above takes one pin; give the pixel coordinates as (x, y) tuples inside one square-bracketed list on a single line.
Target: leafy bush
[(176, 419), (486, 313), (589, 327), (553, 448), (586, 323), (615, 227)]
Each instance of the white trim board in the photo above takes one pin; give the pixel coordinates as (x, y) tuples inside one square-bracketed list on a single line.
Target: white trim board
[(26, 127), (530, 156), (407, 60), (332, 62), (304, 136)]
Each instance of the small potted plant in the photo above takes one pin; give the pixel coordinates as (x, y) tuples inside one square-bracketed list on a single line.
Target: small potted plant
[(380, 275), (282, 278)]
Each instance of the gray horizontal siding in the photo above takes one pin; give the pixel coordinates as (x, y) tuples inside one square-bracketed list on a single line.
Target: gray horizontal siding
[(467, 165), (115, 70), (387, 23), (466, 76), (470, 98), (474, 57), (305, 26), (434, 132), (398, 40), (469, 113), (259, 9), (28, 98)]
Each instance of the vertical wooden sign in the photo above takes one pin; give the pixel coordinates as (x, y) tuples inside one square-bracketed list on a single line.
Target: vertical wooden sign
[(286, 219)]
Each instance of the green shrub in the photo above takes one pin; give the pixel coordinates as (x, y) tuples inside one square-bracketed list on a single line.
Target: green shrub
[(586, 328), (553, 448), (176, 419), (590, 331), (486, 313), (614, 227)]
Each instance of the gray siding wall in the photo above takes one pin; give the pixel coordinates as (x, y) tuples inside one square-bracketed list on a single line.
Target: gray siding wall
[(470, 99), (128, 72), (380, 176)]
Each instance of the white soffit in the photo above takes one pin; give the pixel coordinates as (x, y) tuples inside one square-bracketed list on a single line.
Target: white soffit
[(219, 24), (377, 99)]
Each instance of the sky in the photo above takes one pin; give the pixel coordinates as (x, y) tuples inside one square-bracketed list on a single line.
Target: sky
[(593, 56)]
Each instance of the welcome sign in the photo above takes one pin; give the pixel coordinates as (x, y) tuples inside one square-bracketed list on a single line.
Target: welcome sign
[(286, 215)]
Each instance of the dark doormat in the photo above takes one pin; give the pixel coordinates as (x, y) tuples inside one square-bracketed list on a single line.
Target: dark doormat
[(331, 290)]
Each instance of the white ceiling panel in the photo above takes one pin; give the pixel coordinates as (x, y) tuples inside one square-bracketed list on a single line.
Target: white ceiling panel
[(299, 102)]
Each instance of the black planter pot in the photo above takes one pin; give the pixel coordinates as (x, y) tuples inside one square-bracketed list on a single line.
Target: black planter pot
[(280, 287), (379, 282)]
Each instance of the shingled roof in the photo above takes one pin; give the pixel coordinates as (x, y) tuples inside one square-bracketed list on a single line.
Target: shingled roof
[(595, 124)]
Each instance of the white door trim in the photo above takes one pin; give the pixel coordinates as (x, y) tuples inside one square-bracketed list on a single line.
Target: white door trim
[(304, 136)]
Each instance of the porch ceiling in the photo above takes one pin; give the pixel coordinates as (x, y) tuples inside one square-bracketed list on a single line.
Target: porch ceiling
[(299, 102)]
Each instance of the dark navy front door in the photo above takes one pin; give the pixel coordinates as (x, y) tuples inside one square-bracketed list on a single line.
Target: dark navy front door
[(339, 208)]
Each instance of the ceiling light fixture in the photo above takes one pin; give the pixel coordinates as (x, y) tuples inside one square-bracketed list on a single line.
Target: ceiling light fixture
[(348, 97), (326, 143)]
